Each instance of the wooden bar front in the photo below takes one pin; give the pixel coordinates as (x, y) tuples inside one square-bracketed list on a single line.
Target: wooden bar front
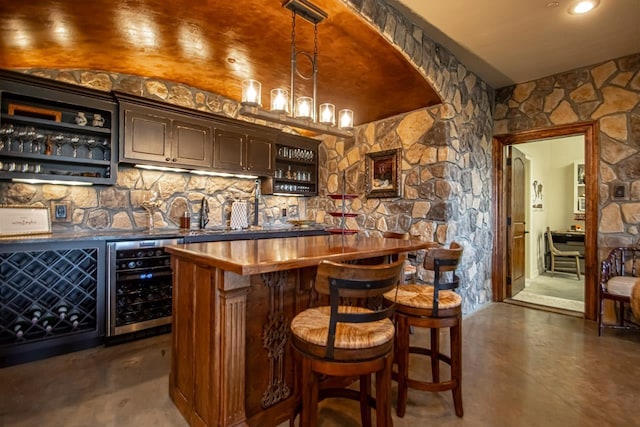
[(232, 304)]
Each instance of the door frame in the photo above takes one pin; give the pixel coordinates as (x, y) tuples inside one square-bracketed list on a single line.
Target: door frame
[(591, 153)]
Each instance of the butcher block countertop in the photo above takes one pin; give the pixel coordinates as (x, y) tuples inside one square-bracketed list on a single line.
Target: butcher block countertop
[(247, 257)]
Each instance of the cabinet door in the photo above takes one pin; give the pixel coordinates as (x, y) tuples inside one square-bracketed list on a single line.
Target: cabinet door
[(192, 144), (260, 155), (146, 136), (229, 150)]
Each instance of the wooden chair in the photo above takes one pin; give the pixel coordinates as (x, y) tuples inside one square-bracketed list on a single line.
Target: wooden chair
[(346, 340), (434, 307), (563, 256), (409, 269), (618, 280)]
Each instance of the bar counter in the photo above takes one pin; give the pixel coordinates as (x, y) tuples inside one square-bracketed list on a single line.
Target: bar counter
[(232, 303)]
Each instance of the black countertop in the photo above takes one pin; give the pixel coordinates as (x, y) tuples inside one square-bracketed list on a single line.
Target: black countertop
[(190, 236)]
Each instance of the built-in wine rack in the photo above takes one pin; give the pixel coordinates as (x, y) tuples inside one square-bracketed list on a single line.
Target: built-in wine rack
[(48, 296)]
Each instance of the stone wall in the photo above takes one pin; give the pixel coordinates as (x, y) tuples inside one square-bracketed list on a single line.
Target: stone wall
[(446, 158), (608, 93), (119, 207)]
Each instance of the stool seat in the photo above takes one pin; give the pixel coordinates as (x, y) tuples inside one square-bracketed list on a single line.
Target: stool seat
[(337, 343), (421, 296), (312, 327)]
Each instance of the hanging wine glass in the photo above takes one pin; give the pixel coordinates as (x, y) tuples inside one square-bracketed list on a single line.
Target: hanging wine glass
[(59, 141), (22, 135), (5, 136), (75, 142), (91, 143), (36, 141), (105, 149)]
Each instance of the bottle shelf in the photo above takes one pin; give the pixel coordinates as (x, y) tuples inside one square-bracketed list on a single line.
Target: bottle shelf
[(48, 294), (343, 214), (342, 196)]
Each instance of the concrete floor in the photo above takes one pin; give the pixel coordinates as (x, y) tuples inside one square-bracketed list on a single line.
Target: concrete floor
[(521, 367)]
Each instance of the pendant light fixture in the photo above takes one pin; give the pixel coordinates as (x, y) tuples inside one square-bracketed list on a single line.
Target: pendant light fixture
[(286, 107)]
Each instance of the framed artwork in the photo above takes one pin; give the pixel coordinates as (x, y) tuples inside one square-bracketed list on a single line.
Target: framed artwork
[(382, 173), (17, 220), (580, 175), (537, 196)]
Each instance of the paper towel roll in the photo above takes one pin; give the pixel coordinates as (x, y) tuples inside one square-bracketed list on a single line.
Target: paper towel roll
[(239, 215)]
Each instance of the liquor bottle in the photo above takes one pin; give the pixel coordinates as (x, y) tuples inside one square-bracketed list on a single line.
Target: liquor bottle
[(19, 329), (36, 313), (74, 319), (47, 323), (62, 311)]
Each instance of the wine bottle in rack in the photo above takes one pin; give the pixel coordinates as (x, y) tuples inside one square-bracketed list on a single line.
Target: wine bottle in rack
[(47, 323), (62, 311), (19, 329), (36, 314), (74, 319)]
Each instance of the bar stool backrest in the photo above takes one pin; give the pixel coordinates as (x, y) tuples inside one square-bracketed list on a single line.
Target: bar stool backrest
[(442, 260), (359, 282)]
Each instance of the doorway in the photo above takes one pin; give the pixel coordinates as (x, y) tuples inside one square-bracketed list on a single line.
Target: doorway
[(550, 181), (502, 256)]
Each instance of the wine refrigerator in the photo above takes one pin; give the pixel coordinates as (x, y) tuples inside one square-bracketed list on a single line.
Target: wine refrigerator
[(140, 287)]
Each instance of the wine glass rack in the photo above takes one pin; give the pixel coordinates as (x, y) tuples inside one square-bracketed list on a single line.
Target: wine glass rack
[(52, 133)]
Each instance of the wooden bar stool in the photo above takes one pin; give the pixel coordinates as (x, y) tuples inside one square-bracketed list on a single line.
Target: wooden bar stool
[(434, 307), (409, 269), (347, 340)]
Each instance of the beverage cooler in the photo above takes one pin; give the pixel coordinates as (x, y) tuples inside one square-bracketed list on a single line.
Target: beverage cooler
[(139, 291), (51, 299)]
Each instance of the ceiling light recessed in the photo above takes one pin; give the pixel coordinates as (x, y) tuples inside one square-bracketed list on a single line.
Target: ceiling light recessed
[(583, 6)]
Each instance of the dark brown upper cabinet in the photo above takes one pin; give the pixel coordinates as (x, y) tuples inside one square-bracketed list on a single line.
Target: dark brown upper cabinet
[(236, 149), (163, 137)]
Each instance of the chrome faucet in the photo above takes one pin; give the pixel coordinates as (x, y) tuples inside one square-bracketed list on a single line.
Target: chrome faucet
[(256, 204), (204, 213)]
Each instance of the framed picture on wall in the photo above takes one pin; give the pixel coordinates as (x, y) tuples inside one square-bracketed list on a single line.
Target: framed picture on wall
[(580, 175), (382, 173), (537, 194)]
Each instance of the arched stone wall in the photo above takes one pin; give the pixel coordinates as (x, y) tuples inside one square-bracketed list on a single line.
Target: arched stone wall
[(446, 157)]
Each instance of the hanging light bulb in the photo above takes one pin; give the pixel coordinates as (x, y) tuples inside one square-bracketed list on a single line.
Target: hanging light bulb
[(346, 119), (251, 92), (304, 107), (280, 100), (327, 114)]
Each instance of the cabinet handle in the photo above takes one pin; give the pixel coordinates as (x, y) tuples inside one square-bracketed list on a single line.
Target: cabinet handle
[(168, 159), (174, 160)]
